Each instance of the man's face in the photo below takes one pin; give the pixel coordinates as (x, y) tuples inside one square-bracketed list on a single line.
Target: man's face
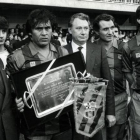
[(11, 37), (116, 32), (3, 35), (106, 30), (79, 31), (41, 34)]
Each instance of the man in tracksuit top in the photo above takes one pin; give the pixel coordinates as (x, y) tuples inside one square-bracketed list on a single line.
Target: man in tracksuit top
[(37, 51), (104, 27)]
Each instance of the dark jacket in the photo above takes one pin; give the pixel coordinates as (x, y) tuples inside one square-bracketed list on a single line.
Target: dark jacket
[(97, 65), (8, 124)]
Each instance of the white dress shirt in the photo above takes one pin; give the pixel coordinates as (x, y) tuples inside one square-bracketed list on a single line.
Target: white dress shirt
[(83, 50)]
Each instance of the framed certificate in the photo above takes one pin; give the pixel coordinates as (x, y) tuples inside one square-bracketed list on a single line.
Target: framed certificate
[(52, 91)]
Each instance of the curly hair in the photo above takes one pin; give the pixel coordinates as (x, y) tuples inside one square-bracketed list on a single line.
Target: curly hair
[(39, 16)]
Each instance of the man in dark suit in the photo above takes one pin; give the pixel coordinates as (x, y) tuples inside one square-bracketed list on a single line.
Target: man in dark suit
[(96, 63)]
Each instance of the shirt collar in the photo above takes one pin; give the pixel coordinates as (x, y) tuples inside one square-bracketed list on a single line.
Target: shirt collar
[(34, 51), (115, 43), (75, 46)]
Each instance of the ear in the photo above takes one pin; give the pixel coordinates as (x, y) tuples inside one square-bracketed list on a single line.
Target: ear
[(138, 20), (69, 29), (30, 35)]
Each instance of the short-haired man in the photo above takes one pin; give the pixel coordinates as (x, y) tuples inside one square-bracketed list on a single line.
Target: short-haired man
[(4, 50), (131, 58), (37, 51), (104, 27), (96, 62)]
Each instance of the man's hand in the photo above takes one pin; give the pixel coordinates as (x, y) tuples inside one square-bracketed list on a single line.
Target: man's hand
[(111, 120), (19, 104)]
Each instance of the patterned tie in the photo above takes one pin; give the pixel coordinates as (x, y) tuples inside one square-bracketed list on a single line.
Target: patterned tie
[(80, 49)]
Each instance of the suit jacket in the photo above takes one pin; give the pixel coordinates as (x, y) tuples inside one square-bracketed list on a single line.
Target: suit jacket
[(97, 65), (8, 123)]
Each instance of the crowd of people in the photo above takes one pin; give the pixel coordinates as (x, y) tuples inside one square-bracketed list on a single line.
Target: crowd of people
[(106, 56)]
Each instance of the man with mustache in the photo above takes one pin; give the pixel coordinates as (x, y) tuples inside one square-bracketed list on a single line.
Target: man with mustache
[(104, 27)]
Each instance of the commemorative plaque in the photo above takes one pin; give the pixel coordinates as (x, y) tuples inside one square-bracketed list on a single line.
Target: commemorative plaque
[(52, 91), (24, 80)]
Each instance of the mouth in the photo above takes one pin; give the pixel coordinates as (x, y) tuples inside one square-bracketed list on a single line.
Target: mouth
[(44, 39)]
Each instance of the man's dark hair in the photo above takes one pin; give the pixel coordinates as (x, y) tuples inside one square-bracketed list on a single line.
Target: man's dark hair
[(104, 17), (81, 16), (4, 23), (117, 26), (39, 16)]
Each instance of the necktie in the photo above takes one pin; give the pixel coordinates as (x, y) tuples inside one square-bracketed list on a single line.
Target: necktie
[(80, 49)]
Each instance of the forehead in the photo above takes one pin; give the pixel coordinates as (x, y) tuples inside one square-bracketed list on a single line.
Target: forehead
[(106, 24), (80, 22), (44, 24), (115, 29)]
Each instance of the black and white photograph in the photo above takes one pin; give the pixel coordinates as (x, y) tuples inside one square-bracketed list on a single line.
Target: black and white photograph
[(53, 56)]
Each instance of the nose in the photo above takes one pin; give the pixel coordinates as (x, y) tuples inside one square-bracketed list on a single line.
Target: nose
[(1, 34), (110, 31), (83, 31), (44, 31)]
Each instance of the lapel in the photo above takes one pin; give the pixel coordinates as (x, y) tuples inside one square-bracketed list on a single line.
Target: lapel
[(90, 56)]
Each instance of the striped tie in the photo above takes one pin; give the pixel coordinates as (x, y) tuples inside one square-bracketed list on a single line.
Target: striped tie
[(80, 49)]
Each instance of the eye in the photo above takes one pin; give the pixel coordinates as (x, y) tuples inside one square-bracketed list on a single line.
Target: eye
[(78, 28), (48, 28), (105, 29), (3, 31), (39, 28), (86, 28), (112, 27)]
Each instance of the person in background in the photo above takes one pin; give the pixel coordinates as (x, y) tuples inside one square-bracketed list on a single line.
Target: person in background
[(4, 50), (116, 31), (8, 117), (131, 57)]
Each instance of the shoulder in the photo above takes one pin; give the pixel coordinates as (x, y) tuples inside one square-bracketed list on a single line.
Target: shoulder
[(64, 51), (67, 46), (60, 50), (132, 43), (17, 57)]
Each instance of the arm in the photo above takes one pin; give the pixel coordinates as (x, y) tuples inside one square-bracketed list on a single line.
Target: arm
[(127, 65), (110, 102), (130, 80), (11, 68)]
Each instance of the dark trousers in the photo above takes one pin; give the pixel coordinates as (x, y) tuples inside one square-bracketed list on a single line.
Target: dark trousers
[(116, 132)]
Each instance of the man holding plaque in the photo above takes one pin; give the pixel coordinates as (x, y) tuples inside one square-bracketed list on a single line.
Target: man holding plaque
[(96, 63), (38, 50)]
